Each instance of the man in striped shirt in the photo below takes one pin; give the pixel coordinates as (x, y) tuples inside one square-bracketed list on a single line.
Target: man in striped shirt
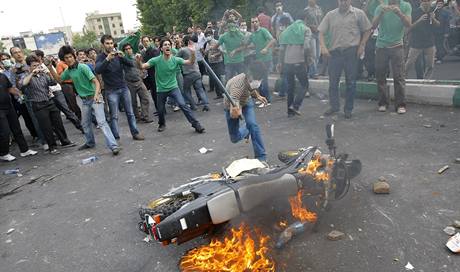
[(242, 88)]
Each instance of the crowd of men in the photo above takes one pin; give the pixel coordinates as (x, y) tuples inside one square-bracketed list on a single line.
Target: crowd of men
[(377, 35)]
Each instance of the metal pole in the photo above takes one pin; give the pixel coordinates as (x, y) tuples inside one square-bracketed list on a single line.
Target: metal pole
[(219, 83)]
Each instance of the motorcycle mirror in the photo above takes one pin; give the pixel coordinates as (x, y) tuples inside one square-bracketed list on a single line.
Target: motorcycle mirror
[(149, 220), (330, 131)]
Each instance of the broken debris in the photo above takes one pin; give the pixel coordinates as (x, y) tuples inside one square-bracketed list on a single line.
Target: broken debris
[(449, 231), (205, 150), (454, 243), (457, 224), (409, 266), (10, 231), (457, 160), (442, 170), (335, 235), (129, 161), (381, 186)]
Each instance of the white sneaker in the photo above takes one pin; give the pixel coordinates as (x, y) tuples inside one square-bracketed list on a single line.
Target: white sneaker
[(383, 108), (176, 108), (262, 105), (45, 147), (29, 152), (401, 110), (8, 158), (258, 102)]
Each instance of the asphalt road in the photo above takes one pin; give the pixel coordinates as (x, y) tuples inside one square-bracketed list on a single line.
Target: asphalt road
[(72, 217)]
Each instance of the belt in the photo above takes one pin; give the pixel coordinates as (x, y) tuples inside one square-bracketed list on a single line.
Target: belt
[(87, 97)]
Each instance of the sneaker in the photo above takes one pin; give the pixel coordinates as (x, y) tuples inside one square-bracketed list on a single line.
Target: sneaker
[(258, 102), (161, 128), (45, 147), (176, 108), (347, 115), (262, 105), (69, 144), (292, 110), (330, 112), (7, 158), (146, 120), (439, 62), (116, 151), (29, 152), (276, 93), (138, 137), (84, 147), (54, 151), (401, 110), (199, 128), (307, 94), (205, 108), (218, 97), (383, 108)]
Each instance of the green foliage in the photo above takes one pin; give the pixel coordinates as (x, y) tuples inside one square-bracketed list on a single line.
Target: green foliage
[(85, 41), (159, 16), (2, 47)]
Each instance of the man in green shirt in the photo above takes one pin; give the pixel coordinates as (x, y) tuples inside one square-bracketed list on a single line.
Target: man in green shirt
[(391, 17), (263, 41), (89, 90), (233, 54), (166, 66)]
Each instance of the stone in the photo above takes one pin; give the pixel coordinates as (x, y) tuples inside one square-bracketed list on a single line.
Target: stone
[(457, 160), (381, 187), (449, 231), (457, 224), (335, 235)]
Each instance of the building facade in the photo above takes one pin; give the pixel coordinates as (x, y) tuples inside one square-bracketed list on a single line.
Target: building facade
[(108, 23)]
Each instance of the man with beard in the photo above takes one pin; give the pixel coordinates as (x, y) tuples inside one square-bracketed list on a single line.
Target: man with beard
[(166, 66), (110, 65), (150, 51)]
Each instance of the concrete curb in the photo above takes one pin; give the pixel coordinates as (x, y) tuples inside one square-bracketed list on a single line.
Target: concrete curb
[(427, 92)]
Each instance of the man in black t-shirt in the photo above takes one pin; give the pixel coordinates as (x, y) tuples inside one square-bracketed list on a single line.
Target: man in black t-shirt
[(421, 37), (9, 123)]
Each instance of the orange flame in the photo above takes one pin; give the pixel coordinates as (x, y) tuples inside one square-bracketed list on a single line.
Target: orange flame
[(312, 169), (298, 211), (238, 252)]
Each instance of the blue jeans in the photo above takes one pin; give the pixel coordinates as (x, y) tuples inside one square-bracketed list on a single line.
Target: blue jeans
[(264, 89), (197, 83), (177, 96), (238, 133), (233, 69), (113, 97), (345, 59), (89, 109)]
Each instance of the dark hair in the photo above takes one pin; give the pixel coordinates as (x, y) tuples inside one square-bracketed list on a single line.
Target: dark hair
[(5, 54), (32, 58), (106, 37), (186, 39), (90, 49), (163, 41), (284, 20), (208, 32), (11, 48), (81, 50), (126, 45), (145, 36), (157, 38), (260, 10), (257, 70), (39, 53), (65, 50)]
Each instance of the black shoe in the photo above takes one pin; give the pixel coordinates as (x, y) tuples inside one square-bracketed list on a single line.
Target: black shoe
[(155, 113), (292, 110), (347, 115), (147, 121), (218, 97), (161, 128), (84, 147), (205, 108), (199, 128), (54, 151), (116, 151), (330, 112), (69, 144)]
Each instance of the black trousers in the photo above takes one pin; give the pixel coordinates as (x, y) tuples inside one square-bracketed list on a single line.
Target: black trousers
[(151, 85), (21, 110), (61, 104), (9, 123), (71, 98), (49, 120)]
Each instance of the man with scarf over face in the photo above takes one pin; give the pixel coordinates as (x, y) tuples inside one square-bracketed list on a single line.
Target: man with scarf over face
[(233, 54), (295, 56)]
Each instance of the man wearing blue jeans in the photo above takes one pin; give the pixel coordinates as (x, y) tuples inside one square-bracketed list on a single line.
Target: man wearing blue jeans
[(350, 29), (110, 65), (242, 88), (166, 66), (89, 90)]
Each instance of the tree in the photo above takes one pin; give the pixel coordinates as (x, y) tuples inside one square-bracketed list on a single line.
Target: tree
[(85, 41), (2, 47)]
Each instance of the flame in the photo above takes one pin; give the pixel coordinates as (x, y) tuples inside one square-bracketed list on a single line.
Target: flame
[(238, 252), (312, 169), (298, 211)]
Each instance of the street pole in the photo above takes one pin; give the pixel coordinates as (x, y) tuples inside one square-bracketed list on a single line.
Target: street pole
[(219, 83)]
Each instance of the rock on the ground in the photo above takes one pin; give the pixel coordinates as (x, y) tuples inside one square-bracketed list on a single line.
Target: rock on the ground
[(457, 224), (457, 160), (335, 235), (449, 231), (381, 187)]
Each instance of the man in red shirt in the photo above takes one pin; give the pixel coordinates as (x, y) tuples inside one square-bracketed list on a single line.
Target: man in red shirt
[(265, 20)]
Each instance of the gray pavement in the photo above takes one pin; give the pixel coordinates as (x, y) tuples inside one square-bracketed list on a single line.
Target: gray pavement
[(73, 217)]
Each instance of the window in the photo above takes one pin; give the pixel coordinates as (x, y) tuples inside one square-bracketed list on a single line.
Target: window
[(111, 18), (122, 31), (121, 24), (115, 33), (102, 33), (98, 20), (113, 25), (119, 18), (100, 27)]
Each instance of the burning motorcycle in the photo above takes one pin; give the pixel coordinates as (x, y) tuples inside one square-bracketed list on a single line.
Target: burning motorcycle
[(198, 207)]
